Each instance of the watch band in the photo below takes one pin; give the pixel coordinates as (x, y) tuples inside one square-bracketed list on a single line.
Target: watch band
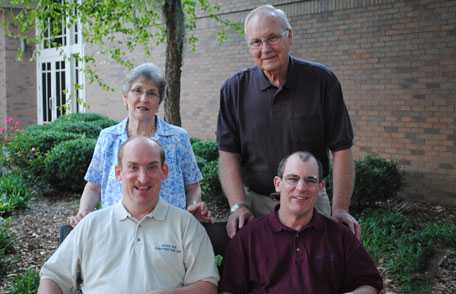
[(238, 205)]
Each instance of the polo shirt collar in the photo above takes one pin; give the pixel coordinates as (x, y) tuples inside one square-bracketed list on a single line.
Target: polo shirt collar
[(264, 82), (159, 213), (317, 222), (162, 128)]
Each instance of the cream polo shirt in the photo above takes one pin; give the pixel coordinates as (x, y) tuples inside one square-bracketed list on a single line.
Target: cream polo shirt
[(110, 252)]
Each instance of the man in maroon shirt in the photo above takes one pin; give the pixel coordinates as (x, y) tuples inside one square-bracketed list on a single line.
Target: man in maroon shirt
[(295, 249)]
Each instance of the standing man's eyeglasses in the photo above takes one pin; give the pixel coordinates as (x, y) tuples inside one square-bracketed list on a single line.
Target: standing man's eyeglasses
[(271, 40)]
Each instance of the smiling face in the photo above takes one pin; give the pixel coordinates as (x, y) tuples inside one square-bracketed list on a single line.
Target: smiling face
[(141, 172), (269, 57), (142, 100), (298, 187)]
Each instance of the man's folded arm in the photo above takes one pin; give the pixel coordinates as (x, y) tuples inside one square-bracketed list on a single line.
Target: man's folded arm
[(48, 286), (365, 290), (201, 287)]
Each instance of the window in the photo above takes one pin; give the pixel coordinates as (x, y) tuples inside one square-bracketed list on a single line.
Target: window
[(60, 77)]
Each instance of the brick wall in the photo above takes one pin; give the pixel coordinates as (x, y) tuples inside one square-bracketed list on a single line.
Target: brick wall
[(396, 61), (17, 80)]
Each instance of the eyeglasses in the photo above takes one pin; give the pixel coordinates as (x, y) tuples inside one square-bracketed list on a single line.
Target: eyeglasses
[(138, 92), (293, 180), (271, 40)]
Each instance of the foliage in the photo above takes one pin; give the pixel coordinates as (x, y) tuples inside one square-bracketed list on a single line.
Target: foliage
[(377, 180), (26, 283), (210, 185), (87, 129), (28, 149), (67, 162), (117, 28), (94, 118), (6, 245), (81, 116), (14, 193), (404, 246), (206, 149)]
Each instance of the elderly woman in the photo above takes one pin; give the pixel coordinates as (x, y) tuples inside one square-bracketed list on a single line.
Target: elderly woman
[(142, 95)]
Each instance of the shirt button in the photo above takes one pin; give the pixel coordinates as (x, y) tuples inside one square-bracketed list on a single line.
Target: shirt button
[(138, 239), (297, 249)]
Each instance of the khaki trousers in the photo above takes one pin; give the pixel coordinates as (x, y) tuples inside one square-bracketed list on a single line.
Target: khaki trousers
[(264, 204)]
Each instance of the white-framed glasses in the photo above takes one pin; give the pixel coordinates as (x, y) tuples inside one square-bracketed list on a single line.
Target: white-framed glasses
[(271, 40)]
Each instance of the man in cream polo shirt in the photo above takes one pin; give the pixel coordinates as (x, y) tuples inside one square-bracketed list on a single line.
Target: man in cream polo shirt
[(140, 245)]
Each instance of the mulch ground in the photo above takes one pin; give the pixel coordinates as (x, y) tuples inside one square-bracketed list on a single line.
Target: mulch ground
[(36, 235)]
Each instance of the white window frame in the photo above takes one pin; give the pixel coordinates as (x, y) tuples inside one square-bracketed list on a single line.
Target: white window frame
[(75, 98)]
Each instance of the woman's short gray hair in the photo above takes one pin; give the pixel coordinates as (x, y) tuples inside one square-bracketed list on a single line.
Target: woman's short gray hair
[(149, 72), (268, 9)]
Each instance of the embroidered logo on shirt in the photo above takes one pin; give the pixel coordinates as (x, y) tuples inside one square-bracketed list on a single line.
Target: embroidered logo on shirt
[(168, 247)]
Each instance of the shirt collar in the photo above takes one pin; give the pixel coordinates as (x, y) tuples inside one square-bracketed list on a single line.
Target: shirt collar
[(159, 213), (162, 128), (317, 222), (291, 76)]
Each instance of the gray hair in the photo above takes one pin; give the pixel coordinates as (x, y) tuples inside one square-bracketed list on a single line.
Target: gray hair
[(268, 10), (304, 157), (149, 72)]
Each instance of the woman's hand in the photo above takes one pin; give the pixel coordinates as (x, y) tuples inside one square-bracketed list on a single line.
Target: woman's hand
[(201, 212)]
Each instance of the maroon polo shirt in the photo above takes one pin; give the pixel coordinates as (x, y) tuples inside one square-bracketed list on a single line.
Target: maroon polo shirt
[(323, 257)]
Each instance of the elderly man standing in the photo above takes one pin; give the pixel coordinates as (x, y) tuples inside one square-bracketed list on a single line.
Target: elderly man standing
[(310, 252), (279, 106), (139, 245)]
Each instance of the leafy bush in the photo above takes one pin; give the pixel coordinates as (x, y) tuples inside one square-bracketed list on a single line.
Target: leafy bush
[(28, 149), (94, 119), (67, 162), (405, 247), (14, 193), (26, 283), (210, 185), (6, 245), (201, 162), (194, 140), (377, 179), (206, 149), (88, 129), (81, 116)]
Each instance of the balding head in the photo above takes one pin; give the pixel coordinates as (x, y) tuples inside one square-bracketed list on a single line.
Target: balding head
[(138, 139)]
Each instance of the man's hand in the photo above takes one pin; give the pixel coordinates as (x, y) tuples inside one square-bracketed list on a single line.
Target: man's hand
[(237, 220), (201, 212), (343, 217), (75, 219)]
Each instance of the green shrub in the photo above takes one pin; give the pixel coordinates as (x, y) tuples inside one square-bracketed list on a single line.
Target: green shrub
[(81, 116), (26, 283), (405, 246), (14, 193), (6, 245), (377, 179), (104, 123), (28, 149), (210, 185), (67, 162), (201, 162), (89, 129), (194, 140), (88, 117), (206, 149)]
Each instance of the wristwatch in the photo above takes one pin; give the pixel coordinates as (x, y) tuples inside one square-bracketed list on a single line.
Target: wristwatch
[(238, 205)]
